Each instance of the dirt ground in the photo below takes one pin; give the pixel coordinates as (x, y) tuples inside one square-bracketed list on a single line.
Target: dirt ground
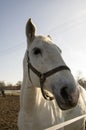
[(9, 108)]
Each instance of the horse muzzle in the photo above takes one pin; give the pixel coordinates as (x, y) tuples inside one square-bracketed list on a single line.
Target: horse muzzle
[(67, 98)]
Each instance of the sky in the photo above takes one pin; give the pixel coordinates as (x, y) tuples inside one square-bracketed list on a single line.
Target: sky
[(63, 20)]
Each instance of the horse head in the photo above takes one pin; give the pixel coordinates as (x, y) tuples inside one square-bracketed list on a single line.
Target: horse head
[(48, 71)]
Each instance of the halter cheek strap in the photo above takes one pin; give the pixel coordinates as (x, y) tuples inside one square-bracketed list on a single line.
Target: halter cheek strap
[(43, 76)]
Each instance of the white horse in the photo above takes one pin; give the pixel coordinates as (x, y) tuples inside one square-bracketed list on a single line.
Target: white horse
[(49, 94)]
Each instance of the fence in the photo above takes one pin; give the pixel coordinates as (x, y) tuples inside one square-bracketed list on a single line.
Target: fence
[(56, 127)]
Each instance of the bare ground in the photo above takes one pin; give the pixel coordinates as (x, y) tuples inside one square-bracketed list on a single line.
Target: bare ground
[(9, 108)]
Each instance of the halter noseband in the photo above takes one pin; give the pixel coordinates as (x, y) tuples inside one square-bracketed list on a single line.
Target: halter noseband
[(43, 76)]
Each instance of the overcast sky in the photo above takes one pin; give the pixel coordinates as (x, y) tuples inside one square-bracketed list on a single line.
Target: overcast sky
[(64, 20)]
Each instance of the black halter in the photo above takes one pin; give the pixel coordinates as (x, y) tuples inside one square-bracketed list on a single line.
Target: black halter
[(43, 76)]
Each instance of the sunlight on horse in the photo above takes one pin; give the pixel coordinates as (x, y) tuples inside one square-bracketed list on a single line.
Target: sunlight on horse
[(49, 93)]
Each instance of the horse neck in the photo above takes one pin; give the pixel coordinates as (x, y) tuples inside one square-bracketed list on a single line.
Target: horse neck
[(33, 99)]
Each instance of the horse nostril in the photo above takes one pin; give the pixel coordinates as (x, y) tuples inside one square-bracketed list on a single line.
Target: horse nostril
[(64, 92)]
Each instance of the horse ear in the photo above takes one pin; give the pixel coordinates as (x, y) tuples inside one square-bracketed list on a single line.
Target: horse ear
[(30, 30), (49, 37)]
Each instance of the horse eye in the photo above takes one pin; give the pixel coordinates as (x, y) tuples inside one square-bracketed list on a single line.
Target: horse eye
[(37, 51)]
